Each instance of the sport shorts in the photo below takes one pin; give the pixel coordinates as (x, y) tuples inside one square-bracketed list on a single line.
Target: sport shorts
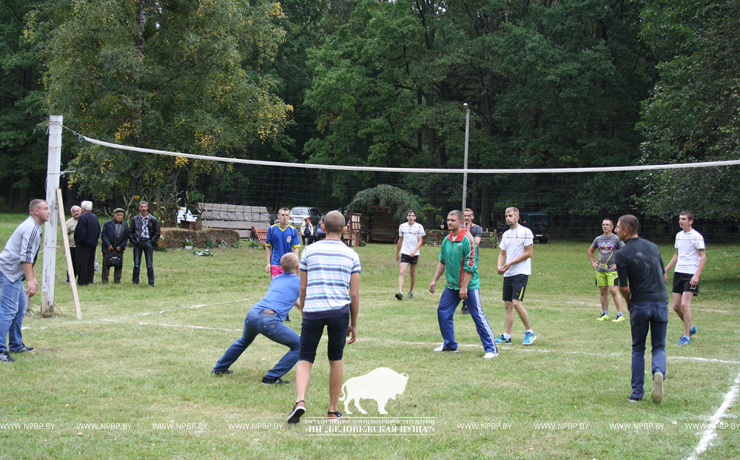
[(407, 259), (682, 283), (607, 279), (514, 287)]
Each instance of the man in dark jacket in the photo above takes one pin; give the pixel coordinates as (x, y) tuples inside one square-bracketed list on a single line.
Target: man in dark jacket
[(144, 233), (114, 237), (86, 239)]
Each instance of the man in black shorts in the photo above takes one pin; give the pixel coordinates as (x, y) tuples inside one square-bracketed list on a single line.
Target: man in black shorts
[(641, 283), (410, 238)]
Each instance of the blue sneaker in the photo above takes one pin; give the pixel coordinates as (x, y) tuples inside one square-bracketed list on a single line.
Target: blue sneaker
[(684, 341), (529, 338), (692, 331), (501, 339)]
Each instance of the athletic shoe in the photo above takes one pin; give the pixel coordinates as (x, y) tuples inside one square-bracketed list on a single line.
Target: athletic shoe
[(634, 399), (684, 341), (23, 349), (399, 296), (295, 414), (287, 318), (443, 349), (226, 372), (693, 330), (490, 355), (657, 395), (464, 310), (619, 319), (6, 358), (603, 317), (410, 296), (529, 338), (275, 381), (501, 339)]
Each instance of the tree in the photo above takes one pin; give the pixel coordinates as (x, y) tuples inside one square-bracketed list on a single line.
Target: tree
[(22, 111), (172, 75), (399, 201), (693, 112)]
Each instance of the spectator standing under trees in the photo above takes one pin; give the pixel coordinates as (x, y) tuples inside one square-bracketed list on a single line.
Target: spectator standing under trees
[(115, 238), (71, 225), (87, 234), (143, 234)]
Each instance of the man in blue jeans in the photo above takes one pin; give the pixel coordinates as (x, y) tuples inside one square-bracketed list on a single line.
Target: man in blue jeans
[(641, 283), (266, 318), (17, 261)]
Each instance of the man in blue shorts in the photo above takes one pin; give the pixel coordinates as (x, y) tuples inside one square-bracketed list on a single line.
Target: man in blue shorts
[(515, 263), (266, 318), (642, 284), (458, 260), (330, 298)]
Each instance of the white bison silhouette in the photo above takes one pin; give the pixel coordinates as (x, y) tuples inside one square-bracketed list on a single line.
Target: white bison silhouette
[(380, 385)]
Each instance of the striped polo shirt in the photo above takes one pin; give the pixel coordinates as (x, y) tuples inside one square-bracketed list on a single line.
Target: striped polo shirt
[(329, 265)]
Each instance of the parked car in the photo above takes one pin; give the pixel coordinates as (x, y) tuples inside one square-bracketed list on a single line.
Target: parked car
[(538, 222), (299, 214)]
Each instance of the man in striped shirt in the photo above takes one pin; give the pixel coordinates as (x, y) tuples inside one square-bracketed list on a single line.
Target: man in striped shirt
[(458, 260), (16, 264), (330, 297)]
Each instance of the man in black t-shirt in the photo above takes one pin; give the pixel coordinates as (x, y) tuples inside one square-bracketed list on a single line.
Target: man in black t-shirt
[(640, 269)]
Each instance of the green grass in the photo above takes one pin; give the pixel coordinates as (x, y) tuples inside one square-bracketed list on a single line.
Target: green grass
[(137, 358)]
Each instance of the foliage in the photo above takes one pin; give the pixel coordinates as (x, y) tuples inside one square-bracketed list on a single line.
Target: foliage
[(255, 244), (398, 200), (201, 252), (188, 242), (693, 112), (161, 245), (23, 146), (185, 76), (236, 244), (211, 242)]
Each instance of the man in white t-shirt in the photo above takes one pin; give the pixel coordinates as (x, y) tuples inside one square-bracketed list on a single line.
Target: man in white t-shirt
[(689, 260), (515, 263), (410, 239)]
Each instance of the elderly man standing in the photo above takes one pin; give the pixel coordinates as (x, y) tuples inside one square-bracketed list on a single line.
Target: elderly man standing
[(144, 233), (71, 225), (16, 263), (114, 237), (87, 234)]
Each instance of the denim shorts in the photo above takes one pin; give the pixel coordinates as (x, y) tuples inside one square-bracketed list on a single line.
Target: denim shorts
[(312, 330)]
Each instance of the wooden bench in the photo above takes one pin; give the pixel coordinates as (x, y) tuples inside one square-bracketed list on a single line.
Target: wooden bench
[(242, 219)]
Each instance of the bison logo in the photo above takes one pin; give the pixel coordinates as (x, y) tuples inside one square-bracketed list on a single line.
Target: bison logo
[(381, 385)]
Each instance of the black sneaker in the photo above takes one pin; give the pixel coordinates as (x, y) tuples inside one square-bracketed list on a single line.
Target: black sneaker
[(6, 358), (226, 372), (287, 318), (464, 310), (23, 349), (399, 296), (634, 399), (295, 414), (275, 381)]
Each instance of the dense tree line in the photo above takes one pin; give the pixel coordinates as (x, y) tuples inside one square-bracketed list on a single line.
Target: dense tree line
[(550, 83)]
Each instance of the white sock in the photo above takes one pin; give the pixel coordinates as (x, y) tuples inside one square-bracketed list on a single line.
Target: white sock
[(507, 336), (530, 331)]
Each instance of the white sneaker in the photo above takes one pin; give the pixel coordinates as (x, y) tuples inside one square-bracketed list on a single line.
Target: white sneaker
[(442, 348), (490, 355)]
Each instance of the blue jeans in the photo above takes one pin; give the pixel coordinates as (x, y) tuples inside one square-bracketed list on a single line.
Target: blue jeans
[(148, 250), (446, 310), (259, 322), (12, 310), (644, 316)]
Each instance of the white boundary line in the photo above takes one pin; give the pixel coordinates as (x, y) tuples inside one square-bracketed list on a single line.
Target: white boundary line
[(711, 432)]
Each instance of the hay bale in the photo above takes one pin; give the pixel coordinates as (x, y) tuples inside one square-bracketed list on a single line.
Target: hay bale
[(175, 237)]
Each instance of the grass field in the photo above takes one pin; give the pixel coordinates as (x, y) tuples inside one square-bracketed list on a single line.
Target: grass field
[(132, 378)]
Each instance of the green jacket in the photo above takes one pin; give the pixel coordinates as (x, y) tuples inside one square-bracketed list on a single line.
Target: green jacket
[(460, 254)]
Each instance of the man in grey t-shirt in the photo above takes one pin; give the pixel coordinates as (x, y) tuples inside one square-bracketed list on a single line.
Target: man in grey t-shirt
[(17, 261), (606, 270)]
